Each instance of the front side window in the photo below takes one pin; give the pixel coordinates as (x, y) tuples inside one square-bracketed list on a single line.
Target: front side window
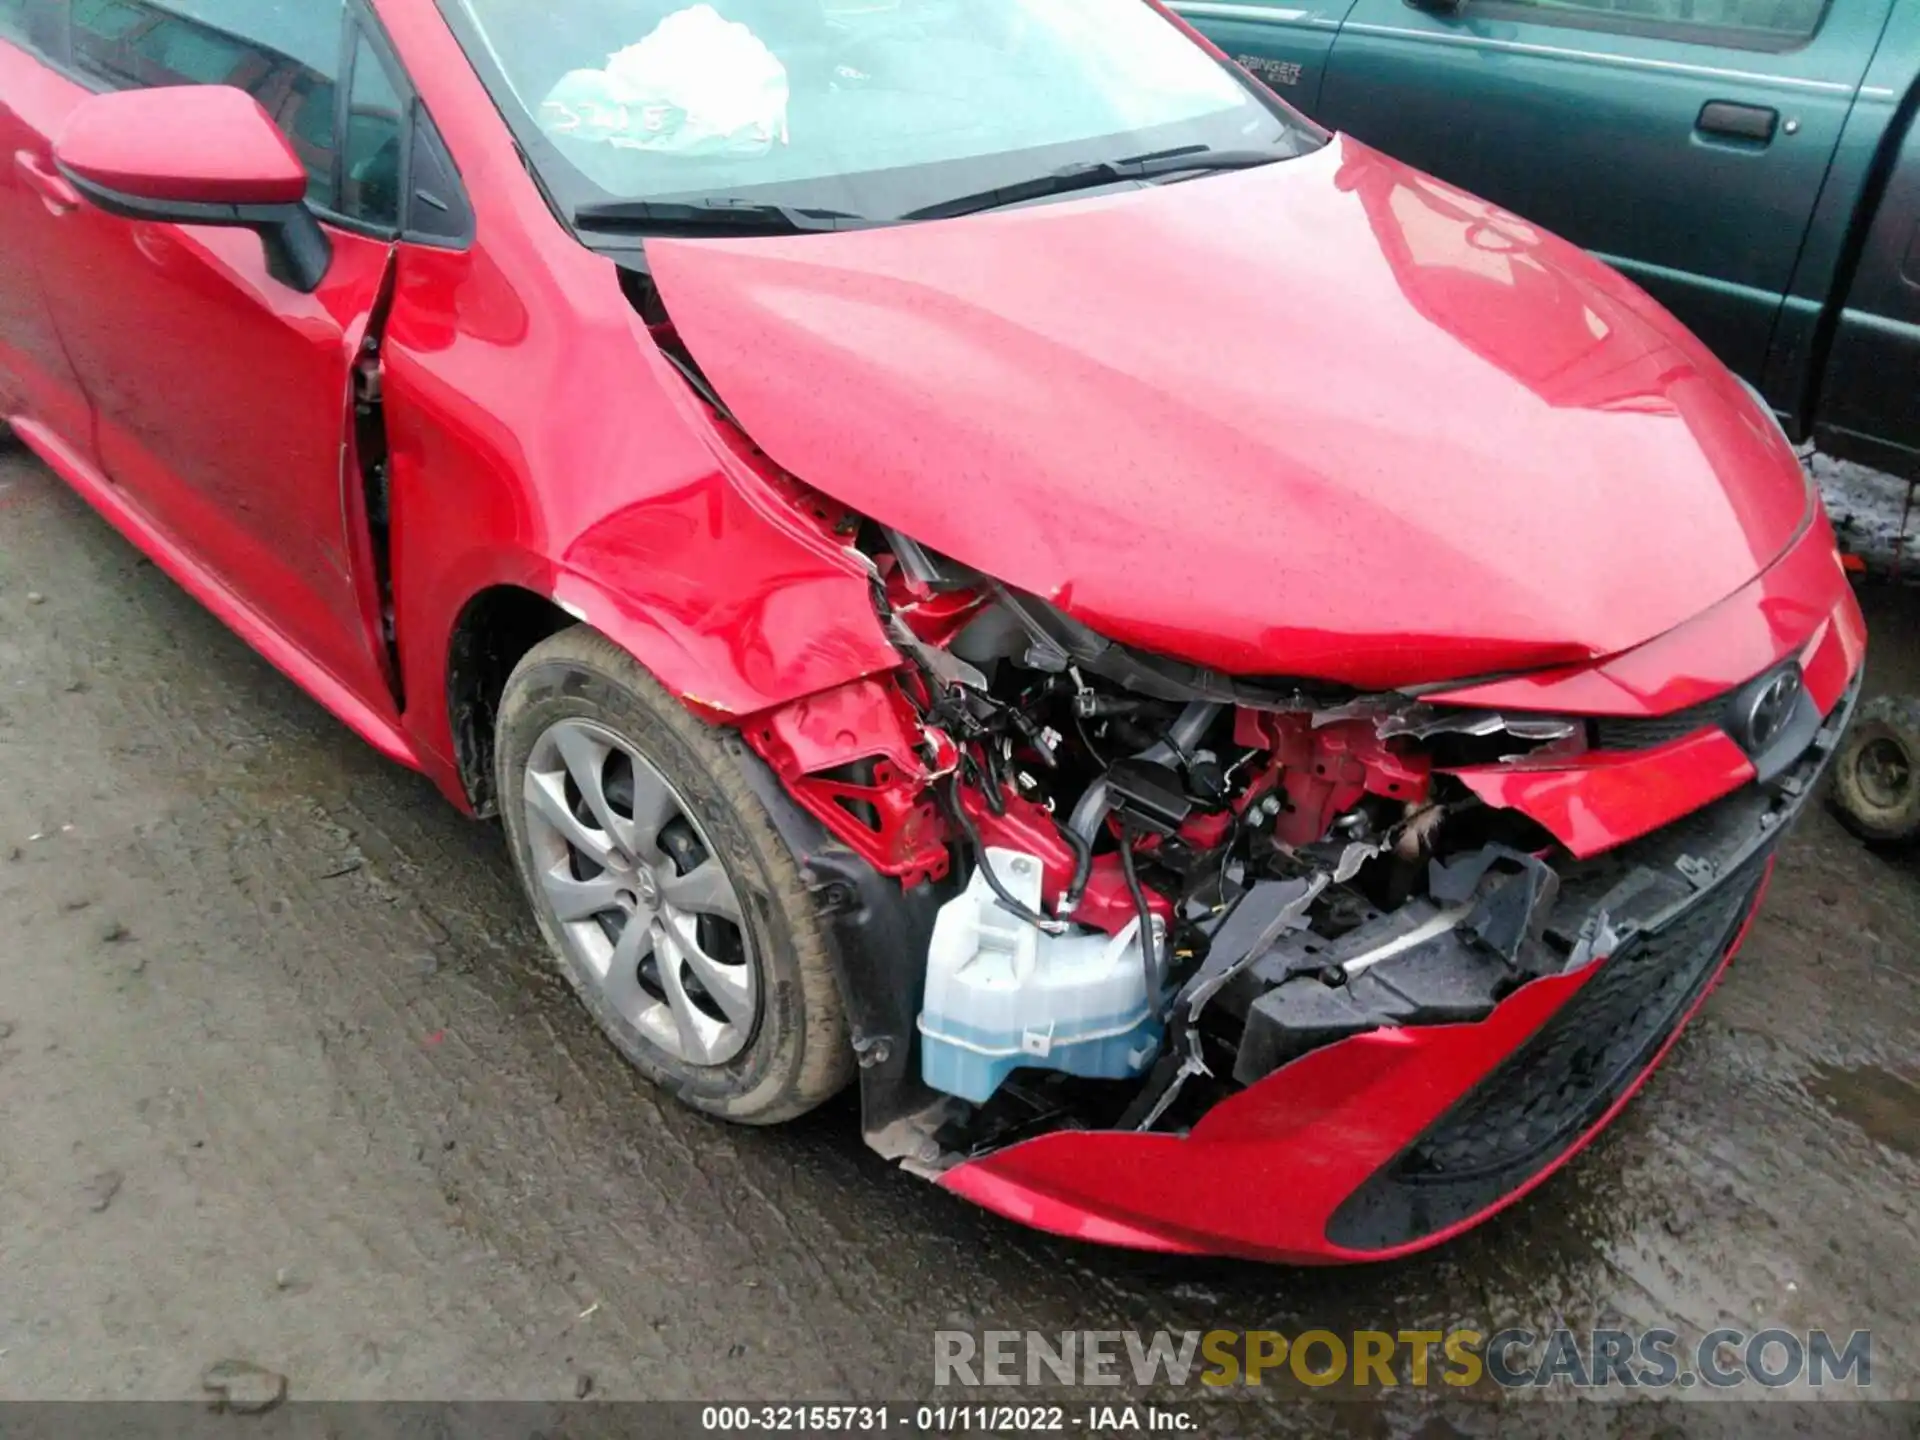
[(1743, 24), (285, 53), (872, 107), (107, 20), (370, 173)]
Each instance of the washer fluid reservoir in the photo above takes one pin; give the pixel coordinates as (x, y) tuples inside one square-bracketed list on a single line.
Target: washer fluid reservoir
[(1002, 994)]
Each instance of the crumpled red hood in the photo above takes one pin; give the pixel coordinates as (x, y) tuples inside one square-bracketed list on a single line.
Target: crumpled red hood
[(1328, 418)]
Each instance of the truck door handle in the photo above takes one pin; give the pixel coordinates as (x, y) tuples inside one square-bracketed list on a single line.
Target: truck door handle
[(58, 195), (1737, 122)]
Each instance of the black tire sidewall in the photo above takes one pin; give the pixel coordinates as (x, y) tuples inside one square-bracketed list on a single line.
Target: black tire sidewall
[(546, 691)]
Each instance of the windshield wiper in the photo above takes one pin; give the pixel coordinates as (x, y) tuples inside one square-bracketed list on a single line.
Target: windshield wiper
[(1091, 174), (704, 217)]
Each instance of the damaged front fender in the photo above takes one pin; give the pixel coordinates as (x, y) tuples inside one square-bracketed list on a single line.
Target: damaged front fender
[(736, 589), (859, 760)]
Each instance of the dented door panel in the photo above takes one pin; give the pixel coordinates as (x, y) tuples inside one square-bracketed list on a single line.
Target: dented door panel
[(224, 410)]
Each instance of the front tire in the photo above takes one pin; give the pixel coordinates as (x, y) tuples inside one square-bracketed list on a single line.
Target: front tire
[(1876, 775), (671, 904)]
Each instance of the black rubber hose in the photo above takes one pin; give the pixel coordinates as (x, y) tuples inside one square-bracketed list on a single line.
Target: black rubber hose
[(965, 822), (1148, 947)]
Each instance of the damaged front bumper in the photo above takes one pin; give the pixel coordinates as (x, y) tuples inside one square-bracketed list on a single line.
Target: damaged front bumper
[(1423, 1091)]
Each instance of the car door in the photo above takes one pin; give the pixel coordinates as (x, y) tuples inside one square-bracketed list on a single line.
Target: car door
[(1870, 394), (1685, 141), (1284, 42), (39, 393), (221, 393)]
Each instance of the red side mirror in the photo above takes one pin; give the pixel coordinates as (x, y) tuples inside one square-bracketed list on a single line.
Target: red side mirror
[(196, 155), (189, 144)]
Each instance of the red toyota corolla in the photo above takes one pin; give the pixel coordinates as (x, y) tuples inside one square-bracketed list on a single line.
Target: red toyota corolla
[(1245, 694)]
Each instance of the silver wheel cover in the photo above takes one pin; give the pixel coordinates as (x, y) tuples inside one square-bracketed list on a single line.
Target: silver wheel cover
[(644, 905)]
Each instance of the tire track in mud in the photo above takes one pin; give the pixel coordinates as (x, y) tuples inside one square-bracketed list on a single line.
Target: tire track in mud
[(330, 1048)]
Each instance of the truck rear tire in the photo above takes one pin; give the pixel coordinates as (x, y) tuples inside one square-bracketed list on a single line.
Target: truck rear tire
[(1876, 776)]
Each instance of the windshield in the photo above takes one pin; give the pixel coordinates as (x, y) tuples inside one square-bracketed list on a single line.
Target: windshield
[(872, 108)]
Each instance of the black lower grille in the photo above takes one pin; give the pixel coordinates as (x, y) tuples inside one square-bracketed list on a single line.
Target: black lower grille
[(1554, 1087)]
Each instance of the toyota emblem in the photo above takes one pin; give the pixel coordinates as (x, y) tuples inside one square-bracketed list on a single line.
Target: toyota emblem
[(1771, 709)]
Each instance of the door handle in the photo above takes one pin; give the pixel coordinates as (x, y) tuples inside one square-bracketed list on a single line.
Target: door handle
[(58, 196), (1733, 121)]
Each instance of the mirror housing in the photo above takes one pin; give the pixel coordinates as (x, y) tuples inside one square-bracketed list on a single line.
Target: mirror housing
[(196, 155)]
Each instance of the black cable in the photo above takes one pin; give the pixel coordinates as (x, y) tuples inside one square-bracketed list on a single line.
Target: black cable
[(1082, 868), (987, 770), (1149, 947), (1031, 733), (1080, 725), (965, 822)]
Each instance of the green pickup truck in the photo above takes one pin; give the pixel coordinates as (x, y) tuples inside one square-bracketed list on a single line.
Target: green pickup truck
[(1754, 164)]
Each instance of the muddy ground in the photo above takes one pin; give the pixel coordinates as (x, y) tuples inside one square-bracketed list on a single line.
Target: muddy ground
[(283, 1078)]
